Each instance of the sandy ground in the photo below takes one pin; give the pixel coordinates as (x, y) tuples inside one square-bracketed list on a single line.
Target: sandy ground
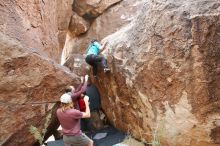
[(132, 142)]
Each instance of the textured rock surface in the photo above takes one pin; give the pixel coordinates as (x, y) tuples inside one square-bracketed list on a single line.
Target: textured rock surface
[(27, 78), (77, 64), (109, 22), (165, 72), (40, 25), (78, 25), (164, 57), (92, 8)]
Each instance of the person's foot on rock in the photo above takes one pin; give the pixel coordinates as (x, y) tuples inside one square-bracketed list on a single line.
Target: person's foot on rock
[(106, 69)]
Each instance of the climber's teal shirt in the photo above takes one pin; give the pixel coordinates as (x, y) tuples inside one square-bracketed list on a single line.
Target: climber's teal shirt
[(93, 49)]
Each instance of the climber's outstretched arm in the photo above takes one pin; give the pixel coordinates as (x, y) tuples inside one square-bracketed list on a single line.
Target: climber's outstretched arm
[(76, 94), (102, 47)]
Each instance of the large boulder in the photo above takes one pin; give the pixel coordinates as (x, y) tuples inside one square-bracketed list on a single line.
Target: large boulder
[(40, 25), (164, 81), (30, 88), (78, 25), (92, 8), (165, 75)]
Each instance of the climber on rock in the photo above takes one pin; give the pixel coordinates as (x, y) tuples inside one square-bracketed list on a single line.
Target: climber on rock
[(69, 119), (93, 57)]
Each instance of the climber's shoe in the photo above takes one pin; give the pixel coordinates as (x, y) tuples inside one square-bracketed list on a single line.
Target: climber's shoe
[(106, 69)]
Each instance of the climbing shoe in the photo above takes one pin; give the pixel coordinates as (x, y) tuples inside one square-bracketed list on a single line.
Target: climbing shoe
[(106, 69)]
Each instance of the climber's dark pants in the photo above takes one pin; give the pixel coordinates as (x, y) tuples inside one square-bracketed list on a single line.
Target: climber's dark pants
[(93, 60)]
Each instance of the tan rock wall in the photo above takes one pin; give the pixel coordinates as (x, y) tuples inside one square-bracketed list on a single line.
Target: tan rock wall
[(32, 33), (165, 73), (92, 8), (163, 55), (109, 22), (40, 25), (26, 80), (164, 69)]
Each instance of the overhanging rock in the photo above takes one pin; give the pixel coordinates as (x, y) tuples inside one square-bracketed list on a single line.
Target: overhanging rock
[(26, 80)]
